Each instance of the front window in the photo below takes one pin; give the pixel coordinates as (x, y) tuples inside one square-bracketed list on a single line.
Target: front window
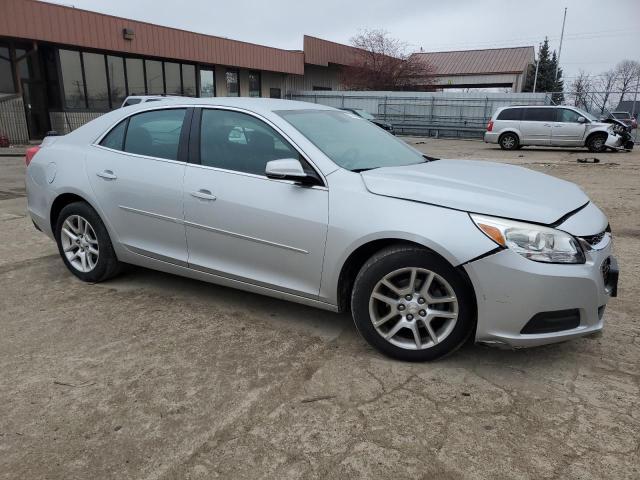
[(350, 141), (239, 142), (586, 115)]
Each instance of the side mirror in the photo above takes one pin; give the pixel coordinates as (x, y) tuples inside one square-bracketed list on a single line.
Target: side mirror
[(289, 169), (582, 120)]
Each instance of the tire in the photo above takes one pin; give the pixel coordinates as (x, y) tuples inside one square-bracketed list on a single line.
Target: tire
[(596, 143), (395, 265), (93, 267), (509, 141)]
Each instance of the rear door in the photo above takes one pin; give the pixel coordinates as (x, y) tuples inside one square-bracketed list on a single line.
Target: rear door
[(137, 174), (536, 125), (567, 131)]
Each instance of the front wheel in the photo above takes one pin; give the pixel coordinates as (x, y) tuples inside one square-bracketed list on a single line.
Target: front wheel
[(597, 143), (412, 305), (84, 244)]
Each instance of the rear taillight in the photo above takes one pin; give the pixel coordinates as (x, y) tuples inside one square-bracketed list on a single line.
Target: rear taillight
[(490, 126), (30, 154)]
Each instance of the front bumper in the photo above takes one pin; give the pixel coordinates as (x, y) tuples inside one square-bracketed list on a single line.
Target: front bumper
[(511, 290)]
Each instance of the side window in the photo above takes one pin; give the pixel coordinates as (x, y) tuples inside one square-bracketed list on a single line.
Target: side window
[(237, 141), (566, 115), (539, 114), (510, 114), (155, 133), (115, 138)]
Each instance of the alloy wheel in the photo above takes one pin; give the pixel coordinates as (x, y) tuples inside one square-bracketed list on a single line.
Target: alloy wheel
[(80, 243), (413, 308)]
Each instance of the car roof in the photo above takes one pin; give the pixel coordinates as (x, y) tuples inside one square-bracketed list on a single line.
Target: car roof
[(249, 103)]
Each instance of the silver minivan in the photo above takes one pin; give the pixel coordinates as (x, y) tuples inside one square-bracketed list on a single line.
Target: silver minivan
[(556, 126)]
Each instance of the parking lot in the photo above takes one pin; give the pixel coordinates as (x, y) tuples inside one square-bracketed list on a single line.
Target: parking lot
[(159, 377)]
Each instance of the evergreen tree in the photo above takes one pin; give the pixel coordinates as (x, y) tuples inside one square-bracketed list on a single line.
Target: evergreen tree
[(547, 82)]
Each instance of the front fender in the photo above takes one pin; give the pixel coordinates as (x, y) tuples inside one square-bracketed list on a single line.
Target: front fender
[(358, 217)]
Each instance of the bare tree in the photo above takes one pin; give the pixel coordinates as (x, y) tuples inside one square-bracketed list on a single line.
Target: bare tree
[(381, 62), (628, 72), (605, 84), (581, 88)]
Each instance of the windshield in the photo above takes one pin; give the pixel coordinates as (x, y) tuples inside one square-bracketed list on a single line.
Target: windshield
[(350, 141)]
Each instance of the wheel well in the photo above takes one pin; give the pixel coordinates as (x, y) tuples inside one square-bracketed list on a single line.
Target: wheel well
[(507, 133), (593, 134), (59, 203), (356, 260)]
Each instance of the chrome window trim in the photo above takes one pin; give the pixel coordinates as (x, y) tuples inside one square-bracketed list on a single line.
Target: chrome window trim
[(254, 175), (137, 155), (96, 142)]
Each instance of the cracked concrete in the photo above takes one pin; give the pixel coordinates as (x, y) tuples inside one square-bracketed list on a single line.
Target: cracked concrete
[(158, 377)]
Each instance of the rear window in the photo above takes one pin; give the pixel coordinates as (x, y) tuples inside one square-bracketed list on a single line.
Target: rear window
[(510, 114), (539, 114)]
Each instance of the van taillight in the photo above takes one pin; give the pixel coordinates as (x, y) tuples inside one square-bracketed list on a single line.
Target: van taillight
[(490, 126), (30, 154)]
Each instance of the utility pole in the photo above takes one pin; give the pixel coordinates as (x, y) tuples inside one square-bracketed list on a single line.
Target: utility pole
[(635, 98), (535, 78), (555, 79)]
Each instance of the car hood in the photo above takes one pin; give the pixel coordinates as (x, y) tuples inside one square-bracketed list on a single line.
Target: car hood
[(479, 187)]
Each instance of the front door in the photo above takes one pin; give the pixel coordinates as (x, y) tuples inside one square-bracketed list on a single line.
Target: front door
[(536, 125), (137, 177), (35, 106), (242, 225), (567, 131)]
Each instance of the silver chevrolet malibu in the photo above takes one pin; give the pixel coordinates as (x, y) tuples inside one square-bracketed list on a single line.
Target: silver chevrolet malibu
[(318, 206)]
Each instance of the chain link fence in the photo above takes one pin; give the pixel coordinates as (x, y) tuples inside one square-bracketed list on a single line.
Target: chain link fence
[(452, 114)]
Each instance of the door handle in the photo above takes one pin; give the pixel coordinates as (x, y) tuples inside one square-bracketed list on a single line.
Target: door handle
[(204, 194), (107, 175)]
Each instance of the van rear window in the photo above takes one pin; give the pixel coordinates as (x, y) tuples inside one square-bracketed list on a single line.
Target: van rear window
[(510, 114)]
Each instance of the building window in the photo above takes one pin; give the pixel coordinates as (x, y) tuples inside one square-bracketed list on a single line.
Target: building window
[(117, 86), (189, 80), (6, 73), (275, 93), (155, 82), (207, 83), (135, 76), (72, 80), (233, 88), (172, 78), (255, 86), (96, 80)]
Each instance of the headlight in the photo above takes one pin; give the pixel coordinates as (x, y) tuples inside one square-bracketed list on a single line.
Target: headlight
[(535, 242)]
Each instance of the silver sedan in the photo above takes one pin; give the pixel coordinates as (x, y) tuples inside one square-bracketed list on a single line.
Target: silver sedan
[(319, 206)]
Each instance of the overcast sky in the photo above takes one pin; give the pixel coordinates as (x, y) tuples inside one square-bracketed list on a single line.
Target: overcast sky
[(598, 33)]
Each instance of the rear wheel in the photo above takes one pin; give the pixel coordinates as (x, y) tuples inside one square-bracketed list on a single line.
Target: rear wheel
[(509, 141), (412, 305), (84, 244), (597, 143)]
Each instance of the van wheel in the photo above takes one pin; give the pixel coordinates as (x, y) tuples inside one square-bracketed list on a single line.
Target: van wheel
[(509, 141), (412, 305), (84, 244), (597, 143)]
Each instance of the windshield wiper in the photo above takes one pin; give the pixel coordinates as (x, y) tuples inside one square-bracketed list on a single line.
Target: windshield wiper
[(358, 170)]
